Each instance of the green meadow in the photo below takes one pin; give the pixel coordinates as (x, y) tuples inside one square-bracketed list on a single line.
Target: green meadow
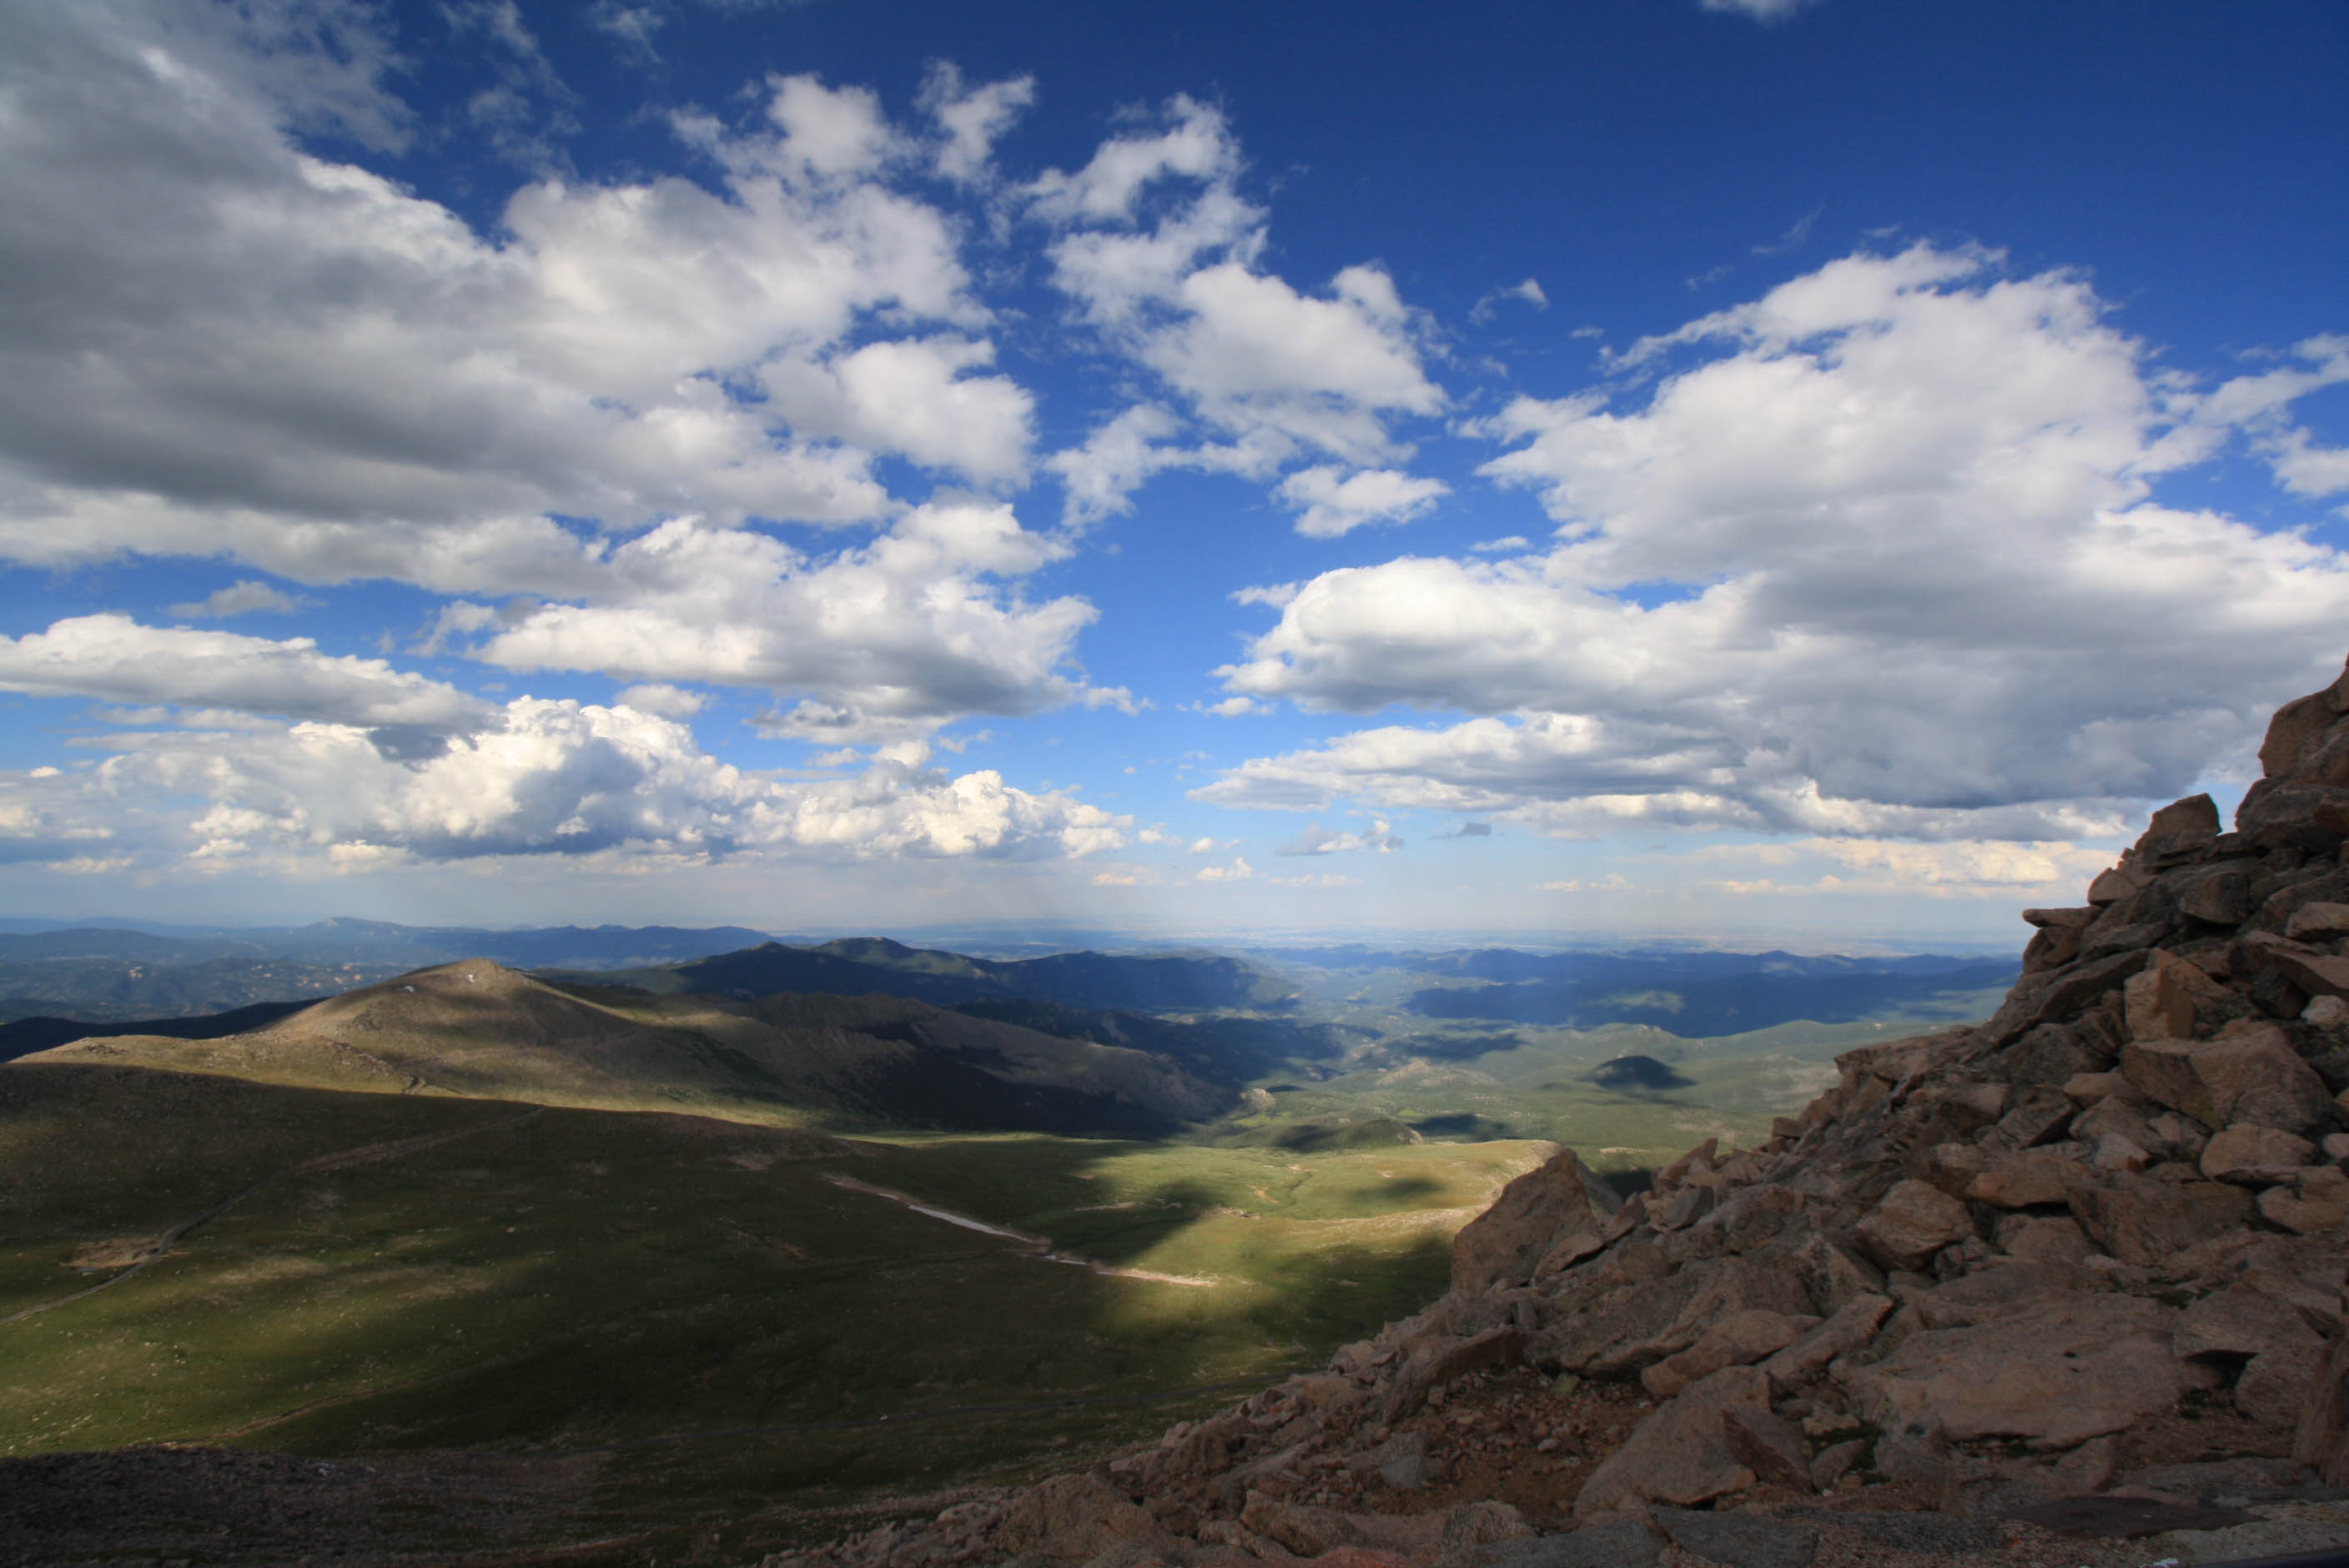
[(691, 1303)]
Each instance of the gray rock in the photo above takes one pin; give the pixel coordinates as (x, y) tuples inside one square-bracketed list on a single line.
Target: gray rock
[(1910, 1532), (2125, 1518), (1617, 1543), (1401, 1462), (1917, 1452), (1741, 1539)]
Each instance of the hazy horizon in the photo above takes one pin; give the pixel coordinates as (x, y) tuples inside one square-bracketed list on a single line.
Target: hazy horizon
[(986, 937)]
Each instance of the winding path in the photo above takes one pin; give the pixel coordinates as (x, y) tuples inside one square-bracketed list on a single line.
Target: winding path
[(1039, 1246)]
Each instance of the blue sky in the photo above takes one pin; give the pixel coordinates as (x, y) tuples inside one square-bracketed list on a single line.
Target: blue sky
[(1807, 473)]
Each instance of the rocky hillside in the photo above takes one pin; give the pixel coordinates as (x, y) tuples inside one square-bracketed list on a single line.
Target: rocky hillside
[(2064, 1288)]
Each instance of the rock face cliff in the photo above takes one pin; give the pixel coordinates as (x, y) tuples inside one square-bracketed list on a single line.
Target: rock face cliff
[(2077, 1272)]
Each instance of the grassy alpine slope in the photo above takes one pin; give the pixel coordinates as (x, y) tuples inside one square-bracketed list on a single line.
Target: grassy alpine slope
[(432, 1273)]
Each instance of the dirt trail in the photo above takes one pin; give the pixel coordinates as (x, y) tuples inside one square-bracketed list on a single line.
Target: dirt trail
[(154, 1252), (1041, 1247)]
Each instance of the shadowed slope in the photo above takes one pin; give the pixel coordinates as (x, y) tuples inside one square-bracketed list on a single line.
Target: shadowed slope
[(1160, 982), (478, 1029)]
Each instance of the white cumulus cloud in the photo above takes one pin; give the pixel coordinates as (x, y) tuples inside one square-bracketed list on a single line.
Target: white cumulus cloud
[(1878, 554), (1317, 839), (1329, 505), (115, 658), (1161, 253), (546, 778), (244, 349)]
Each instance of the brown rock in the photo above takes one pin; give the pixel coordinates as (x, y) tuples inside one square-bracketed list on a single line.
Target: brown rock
[(1952, 1167), (2027, 1179), (2092, 1089), (1973, 1106), (1648, 1317), (1751, 1216), (2055, 1372), (1532, 1213), (2050, 1054), (2136, 1219), (2114, 1153), (2316, 1204), (1697, 1161), (2036, 1114), (1686, 1207), (1853, 1325), (2318, 923), (2219, 1206), (1441, 1359), (2316, 973), (2057, 940), (1832, 1274), (2197, 816), (1996, 1292), (2249, 1073), (1914, 1221), (2161, 1000), (1476, 1524), (2321, 1441), (2050, 947), (2217, 896), (2060, 995), (2240, 1320), (1835, 1461), (2255, 1156), (2311, 818), (1073, 1518), (2295, 727), (2118, 883), (1680, 1454), (1736, 1340), (2177, 1137), (1771, 1448), (1311, 1531), (2275, 1384), (2044, 1238), (2117, 1114)]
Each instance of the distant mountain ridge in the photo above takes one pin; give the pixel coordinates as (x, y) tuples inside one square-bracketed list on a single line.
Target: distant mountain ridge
[(1146, 983), (1733, 994), (114, 973), (347, 941), (479, 1029)]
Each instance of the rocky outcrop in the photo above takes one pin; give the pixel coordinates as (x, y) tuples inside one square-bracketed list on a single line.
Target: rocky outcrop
[(1542, 1218), (2088, 1261)]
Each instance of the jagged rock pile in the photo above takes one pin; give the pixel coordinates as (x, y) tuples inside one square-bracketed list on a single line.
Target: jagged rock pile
[(2083, 1263)]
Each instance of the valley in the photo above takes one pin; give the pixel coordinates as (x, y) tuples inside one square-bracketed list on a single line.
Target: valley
[(673, 1266)]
